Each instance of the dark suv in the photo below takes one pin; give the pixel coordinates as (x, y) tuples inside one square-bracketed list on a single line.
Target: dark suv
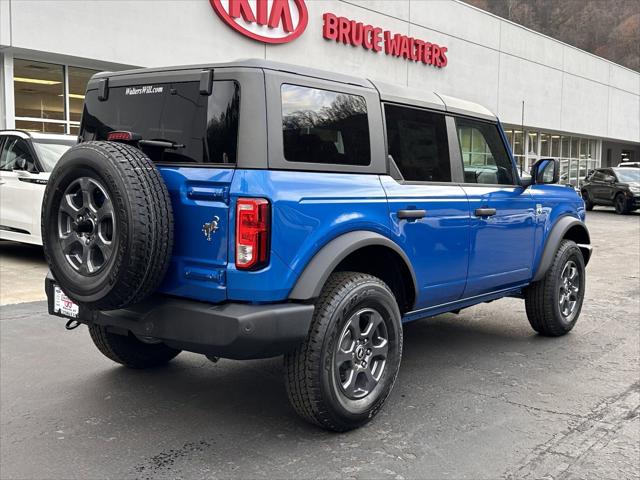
[(254, 209), (618, 186)]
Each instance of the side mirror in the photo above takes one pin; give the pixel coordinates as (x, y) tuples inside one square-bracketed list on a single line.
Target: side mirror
[(546, 170), (21, 164)]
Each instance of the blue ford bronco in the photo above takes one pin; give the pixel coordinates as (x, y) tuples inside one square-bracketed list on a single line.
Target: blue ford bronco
[(255, 209)]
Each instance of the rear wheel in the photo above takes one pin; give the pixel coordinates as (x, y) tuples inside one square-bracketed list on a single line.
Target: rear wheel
[(129, 350), (554, 303), (621, 204), (588, 203), (340, 377)]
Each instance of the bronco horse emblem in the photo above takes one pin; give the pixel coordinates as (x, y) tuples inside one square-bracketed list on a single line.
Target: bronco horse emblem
[(210, 228)]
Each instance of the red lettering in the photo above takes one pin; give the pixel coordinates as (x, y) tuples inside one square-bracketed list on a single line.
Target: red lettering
[(393, 44), (367, 41), (404, 49), (241, 8), (356, 33), (376, 38), (426, 57), (418, 52), (412, 51), (443, 57), (280, 14), (262, 6), (343, 30), (435, 55), (351, 32), (330, 28)]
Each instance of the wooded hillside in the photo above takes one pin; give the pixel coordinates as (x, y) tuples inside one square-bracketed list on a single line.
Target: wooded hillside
[(607, 28)]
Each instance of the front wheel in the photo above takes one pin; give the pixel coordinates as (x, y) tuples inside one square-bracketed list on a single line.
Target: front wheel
[(588, 203), (341, 375), (554, 303), (621, 204)]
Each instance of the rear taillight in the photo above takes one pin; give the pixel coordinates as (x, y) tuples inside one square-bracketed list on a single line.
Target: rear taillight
[(253, 222)]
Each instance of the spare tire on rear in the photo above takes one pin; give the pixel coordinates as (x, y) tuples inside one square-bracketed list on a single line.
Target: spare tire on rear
[(107, 225)]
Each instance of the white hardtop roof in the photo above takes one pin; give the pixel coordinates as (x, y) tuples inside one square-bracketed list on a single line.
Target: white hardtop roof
[(432, 100)]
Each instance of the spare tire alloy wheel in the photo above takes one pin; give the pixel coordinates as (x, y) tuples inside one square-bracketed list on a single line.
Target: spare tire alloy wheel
[(107, 225), (86, 223)]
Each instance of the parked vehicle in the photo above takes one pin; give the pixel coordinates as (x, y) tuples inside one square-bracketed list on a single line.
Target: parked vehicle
[(253, 209), (26, 161), (618, 186), (629, 164)]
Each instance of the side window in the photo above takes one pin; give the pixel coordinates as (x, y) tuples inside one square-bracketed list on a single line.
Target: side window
[(598, 176), (418, 143), (223, 116), (15, 153), (484, 155), (322, 126)]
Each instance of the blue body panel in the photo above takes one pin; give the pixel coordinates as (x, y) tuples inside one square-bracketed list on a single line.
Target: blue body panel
[(438, 244), (309, 209), (458, 259), (198, 266), (501, 246)]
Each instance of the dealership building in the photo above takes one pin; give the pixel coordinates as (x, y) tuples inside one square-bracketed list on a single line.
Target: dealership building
[(553, 99)]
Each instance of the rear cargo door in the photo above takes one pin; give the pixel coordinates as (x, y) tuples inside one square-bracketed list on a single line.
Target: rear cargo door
[(192, 137)]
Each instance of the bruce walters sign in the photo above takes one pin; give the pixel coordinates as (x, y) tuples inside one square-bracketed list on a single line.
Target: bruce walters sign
[(282, 21)]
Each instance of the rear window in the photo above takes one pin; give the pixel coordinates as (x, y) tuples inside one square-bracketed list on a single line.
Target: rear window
[(322, 126), (203, 128)]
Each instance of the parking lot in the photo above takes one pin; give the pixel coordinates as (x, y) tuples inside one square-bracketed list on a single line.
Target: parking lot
[(479, 395)]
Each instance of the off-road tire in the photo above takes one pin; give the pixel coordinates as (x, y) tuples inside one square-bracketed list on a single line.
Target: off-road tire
[(309, 372), (621, 204), (588, 203), (542, 297), (128, 350), (142, 225)]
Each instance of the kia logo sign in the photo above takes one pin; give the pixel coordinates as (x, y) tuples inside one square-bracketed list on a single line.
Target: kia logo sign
[(268, 21)]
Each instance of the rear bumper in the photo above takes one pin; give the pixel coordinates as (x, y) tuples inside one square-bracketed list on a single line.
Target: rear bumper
[(230, 330)]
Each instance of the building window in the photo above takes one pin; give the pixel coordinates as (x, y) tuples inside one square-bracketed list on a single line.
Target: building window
[(48, 97), (578, 156)]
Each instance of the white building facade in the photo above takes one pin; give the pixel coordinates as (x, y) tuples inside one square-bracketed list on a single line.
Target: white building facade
[(553, 99)]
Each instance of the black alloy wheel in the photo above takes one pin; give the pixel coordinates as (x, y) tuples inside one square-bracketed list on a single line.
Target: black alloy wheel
[(86, 226)]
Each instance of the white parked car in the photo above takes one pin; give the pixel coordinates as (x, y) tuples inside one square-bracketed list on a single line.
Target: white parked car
[(26, 160)]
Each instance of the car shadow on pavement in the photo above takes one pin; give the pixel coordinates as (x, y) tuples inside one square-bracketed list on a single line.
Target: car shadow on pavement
[(239, 396), (611, 211), (21, 251)]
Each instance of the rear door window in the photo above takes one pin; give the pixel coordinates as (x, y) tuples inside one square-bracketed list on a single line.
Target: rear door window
[(323, 126), (204, 129), (418, 143)]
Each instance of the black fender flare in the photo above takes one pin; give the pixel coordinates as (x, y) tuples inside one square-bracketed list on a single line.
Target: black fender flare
[(317, 271), (557, 234)]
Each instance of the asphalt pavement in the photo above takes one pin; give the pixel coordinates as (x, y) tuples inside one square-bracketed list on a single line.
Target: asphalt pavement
[(479, 395)]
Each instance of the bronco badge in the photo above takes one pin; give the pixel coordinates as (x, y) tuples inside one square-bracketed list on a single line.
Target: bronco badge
[(210, 228)]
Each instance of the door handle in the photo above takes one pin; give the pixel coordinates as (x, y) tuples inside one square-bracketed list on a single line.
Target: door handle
[(412, 214), (485, 212)]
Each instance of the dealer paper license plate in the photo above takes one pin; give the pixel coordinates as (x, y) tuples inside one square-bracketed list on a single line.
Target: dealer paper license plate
[(63, 304)]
